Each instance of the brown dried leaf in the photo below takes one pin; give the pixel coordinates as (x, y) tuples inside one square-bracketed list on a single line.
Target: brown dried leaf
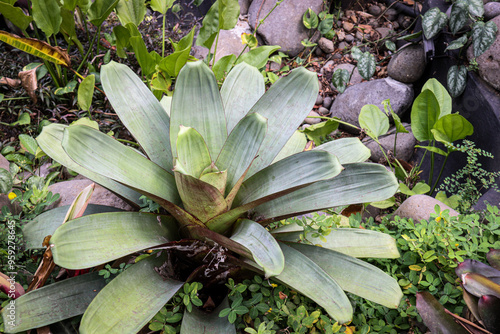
[(14, 83), (43, 272), (29, 82)]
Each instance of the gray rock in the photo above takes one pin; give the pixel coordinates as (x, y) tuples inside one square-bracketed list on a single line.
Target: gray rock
[(13, 208), (318, 52), (408, 64), (326, 45), (391, 14), (419, 207), (323, 111), (273, 66), (312, 120), (328, 67), (349, 38), (405, 144), (348, 104), (375, 10), (373, 23), (342, 46), (4, 163), (384, 32), (348, 26), (489, 61), (319, 100), (284, 26), (244, 5), (68, 190), (491, 10), (327, 102), (230, 40)]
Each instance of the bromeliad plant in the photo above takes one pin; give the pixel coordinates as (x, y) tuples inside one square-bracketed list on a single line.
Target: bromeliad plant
[(224, 165)]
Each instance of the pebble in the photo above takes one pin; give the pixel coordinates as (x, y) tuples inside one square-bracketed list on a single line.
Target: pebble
[(408, 64), (491, 10), (391, 14), (326, 45), (323, 111), (274, 66), (342, 46), (312, 120), (384, 32), (319, 100), (338, 55), (349, 38), (327, 102), (375, 10), (318, 52), (348, 26), (340, 35), (373, 23)]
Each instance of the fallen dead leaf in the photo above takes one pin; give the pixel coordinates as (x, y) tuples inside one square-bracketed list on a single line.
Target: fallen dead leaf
[(29, 82), (14, 83)]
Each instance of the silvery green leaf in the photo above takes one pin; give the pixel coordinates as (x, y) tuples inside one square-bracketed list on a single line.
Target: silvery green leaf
[(326, 25), (457, 79), (340, 79), (366, 65), (356, 53), (5, 181), (483, 35), (390, 45), (458, 18), (310, 19), (476, 7), (433, 21), (28, 143), (457, 44)]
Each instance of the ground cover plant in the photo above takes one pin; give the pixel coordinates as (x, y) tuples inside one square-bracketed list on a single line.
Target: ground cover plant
[(219, 175)]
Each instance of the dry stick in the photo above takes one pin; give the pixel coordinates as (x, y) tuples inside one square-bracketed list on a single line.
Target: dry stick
[(459, 318)]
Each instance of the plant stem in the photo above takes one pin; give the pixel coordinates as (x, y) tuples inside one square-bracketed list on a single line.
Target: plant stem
[(163, 38), (128, 142), (385, 155), (55, 78), (395, 141), (440, 172), (98, 39), (336, 120), (431, 172), (88, 52), (16, 98)]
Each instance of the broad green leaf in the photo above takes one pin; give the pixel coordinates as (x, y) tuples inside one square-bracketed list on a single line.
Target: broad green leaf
[(433, 149), (452, 127), (131, 299), (355, 276), (441, 95), (325, 25), (69, 88), (340, 79), (146, 61), (457, 44), (457, 79), (418, 189), (241, 148), (223, 15), (6, 181), (198, 321), (356, 53), (250, 40), (100, 10), (199, 198), (475, 7), (483, 36), (258, 57), (366, 65), (96, 239), (68, 28), (131, 11), (173, 63), (295, 144), (229, 12), (458, 19), (435, 317), (86, 92), (390, 45), (287, 174), (197, 104), (347, 150), (28, 143), (192, 152), (15, 15), (50, 142), (433, 21), (213, 176), (161, 5), (400, 128), (47, 16), (118, 162), (357, 243), (242, 88), (64, 299), (424, 114), (46, 223), (24, 119), (37, 48), (373, 120), (223, 66), (139, 111), (293, 96), (317, 132), (310, 19), (80, 203), (264, 248), (305, 276), (385, 204), (357, 183), (122, 35)]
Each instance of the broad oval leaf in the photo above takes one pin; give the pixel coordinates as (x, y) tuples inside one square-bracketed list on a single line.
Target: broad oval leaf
[(198, 104), (424, 114), (242, 88), (139, 111), (86, 92), (310, 19), (198, 321), (355, 276), (457, 44), (305, 276), (458, 19), (347, 150), (37, 48), (373, 120), (441, 95), (340, 79), (366, 65), (295, 144), (47, 16), (15, 15), (457, 80), (483, 36), (453, 127), (100, 10), (6, 181), (192, 151), (264, 248), (131, 299), (65, 299), (325, 25), (96, 239), (475, 7), (433, 21), (435, 317), (161, 5), (131, 11), (258, 57)]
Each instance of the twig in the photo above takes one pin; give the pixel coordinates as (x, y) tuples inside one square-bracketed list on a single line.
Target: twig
[(459, 318)]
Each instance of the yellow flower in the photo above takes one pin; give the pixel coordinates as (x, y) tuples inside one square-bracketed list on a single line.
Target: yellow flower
[(438, 219), (12, 196), (274, 285)]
